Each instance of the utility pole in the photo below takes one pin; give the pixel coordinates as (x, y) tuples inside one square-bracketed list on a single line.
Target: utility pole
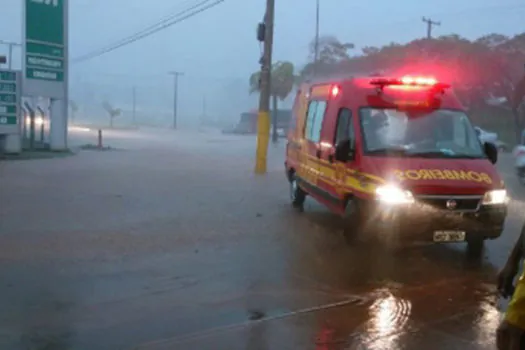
[(204, 107), (10, 45), (134, 115), (263, 120), (176, 76), (517, 101), (430, 23)]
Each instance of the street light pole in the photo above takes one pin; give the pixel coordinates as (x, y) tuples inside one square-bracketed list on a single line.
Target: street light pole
[(176, 76), (263, 120), (204, 107), (134, 115), (316, 43), (10, 63)]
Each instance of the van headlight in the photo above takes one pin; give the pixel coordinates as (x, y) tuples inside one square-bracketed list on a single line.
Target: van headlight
[(391, 194), (495, 197)]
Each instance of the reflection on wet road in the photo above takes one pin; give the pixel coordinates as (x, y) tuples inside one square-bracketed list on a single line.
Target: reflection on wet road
[(174, 244)]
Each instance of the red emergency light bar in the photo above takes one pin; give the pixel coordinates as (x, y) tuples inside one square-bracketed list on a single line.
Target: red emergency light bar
[(409, 81)]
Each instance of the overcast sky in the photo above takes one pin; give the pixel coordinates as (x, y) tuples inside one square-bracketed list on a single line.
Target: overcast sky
[(220, 43)]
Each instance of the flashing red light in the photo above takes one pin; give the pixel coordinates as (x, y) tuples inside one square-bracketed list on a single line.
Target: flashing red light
[(408, 80), (335, 91)]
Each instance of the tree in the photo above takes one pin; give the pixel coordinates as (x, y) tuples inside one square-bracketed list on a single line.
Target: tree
[(74, 109), (331, 50), (112, 112), (283, 80), (493, 40), (490, 66), (332, 53)]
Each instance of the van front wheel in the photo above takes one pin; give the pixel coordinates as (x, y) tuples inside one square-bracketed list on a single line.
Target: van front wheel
[(475, 246), (297, 195), (353, 220)]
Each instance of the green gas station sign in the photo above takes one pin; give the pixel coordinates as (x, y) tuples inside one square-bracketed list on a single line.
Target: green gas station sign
[(45, 40)]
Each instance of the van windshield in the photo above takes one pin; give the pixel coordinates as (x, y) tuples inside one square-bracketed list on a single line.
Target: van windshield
[(433, 134)]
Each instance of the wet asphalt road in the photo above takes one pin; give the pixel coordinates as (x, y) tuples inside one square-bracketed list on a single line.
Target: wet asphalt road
[(170, 242)]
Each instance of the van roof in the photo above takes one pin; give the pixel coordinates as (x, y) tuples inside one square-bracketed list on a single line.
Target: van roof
[(362, 86), (339, 78)]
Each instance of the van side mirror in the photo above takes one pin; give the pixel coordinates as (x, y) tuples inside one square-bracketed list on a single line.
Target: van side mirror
[(344, 151), (491, 151)]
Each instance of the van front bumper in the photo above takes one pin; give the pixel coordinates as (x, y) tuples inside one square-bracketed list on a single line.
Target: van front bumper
[(418, 222)]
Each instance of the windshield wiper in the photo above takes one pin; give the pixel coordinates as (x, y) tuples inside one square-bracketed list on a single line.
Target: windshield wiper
[(397, 151), (441, 154)]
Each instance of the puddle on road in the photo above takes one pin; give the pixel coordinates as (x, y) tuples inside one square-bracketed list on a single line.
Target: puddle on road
[(388, 314)]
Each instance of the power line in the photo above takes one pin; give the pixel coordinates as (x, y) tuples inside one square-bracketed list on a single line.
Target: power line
[(409, 21), (157, 23), (161, 25), (461, 13), (175, 11)]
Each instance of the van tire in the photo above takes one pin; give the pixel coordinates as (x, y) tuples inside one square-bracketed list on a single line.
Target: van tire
[(297, 194), (475, 246), (353, 220)]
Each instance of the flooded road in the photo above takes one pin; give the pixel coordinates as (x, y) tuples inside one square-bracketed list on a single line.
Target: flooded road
[(171, 242)]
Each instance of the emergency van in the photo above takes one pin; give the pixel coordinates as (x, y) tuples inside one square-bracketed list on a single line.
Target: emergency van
[(399, 155)]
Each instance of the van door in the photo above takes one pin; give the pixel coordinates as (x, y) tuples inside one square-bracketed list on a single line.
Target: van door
[(309, 169), (334, 183), (293, 145)]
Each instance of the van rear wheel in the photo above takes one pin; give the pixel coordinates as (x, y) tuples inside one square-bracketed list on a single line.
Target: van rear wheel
[(297, 194)]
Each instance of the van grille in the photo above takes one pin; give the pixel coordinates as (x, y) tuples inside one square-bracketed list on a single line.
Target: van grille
[(462, 203)]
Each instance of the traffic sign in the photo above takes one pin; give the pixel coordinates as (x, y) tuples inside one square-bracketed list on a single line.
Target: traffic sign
[(7, 109), (7, 87), (45, 49), (7, 98), (6, 120), (7, 76), (9, 102)]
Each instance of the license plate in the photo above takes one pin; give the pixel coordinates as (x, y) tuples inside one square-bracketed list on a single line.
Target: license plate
[(449, 236)]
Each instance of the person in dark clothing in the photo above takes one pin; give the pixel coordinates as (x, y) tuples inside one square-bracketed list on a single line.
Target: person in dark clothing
[(511, 331)]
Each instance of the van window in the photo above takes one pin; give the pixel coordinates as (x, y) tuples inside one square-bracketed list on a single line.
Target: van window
[(461, 136), (345, 127), (314, 120), (310, 115)]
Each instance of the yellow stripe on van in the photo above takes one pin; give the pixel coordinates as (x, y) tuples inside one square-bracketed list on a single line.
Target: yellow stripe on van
[(353, 180)]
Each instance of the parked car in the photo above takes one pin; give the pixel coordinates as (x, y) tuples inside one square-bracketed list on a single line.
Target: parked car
[(486, 136), (492, 137), (502, 146), (239, 129), (519, 155)]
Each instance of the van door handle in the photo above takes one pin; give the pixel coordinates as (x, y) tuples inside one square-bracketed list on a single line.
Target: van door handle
[(318, 153)]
